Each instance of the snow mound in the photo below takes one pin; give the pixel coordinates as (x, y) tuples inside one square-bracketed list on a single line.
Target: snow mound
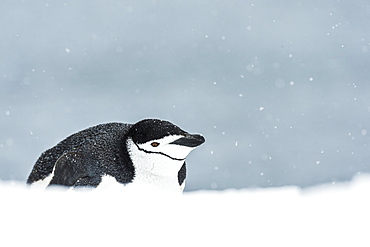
[(335, 215)]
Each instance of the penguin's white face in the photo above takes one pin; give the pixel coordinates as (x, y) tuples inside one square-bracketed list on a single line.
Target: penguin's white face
[(161, 157), (158, 161), (166, 146)]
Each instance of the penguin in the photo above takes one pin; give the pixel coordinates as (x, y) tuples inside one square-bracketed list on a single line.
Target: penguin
[(150, 152)]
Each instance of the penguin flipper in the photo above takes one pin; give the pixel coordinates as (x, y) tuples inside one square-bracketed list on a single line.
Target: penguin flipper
[(69, 169)]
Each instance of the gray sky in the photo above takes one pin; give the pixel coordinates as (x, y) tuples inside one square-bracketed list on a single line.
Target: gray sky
[(278, 88)]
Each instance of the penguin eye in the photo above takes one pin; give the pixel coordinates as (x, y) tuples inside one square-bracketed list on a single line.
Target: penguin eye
[(154, 144)]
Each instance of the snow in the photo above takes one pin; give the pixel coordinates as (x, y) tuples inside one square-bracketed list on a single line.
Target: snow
[(329, 215)]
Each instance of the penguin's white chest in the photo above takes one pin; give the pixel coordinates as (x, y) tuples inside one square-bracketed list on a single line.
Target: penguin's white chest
[(158, 173)]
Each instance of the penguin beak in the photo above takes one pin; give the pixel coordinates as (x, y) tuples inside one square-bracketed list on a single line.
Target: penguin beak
[(190, 140)]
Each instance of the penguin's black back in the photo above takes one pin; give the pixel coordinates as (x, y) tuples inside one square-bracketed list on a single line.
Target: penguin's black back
[(103, 147)]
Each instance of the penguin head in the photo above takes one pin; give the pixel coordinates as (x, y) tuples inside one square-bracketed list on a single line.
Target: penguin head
[(154, 136), (158, 147)]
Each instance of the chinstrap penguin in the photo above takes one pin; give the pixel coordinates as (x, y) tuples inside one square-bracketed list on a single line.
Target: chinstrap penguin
[(150, 152)]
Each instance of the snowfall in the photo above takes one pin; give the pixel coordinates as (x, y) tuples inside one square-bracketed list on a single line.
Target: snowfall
[(325, 215), (279, 89)]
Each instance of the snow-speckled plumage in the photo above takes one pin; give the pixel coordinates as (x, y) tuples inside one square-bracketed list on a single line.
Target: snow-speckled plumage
[(123, 151)]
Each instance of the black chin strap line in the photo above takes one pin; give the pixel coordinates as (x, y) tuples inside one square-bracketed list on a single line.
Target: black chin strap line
[(151, 152)]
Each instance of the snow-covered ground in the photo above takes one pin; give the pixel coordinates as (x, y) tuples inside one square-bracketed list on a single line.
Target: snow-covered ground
[(330, 215)]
